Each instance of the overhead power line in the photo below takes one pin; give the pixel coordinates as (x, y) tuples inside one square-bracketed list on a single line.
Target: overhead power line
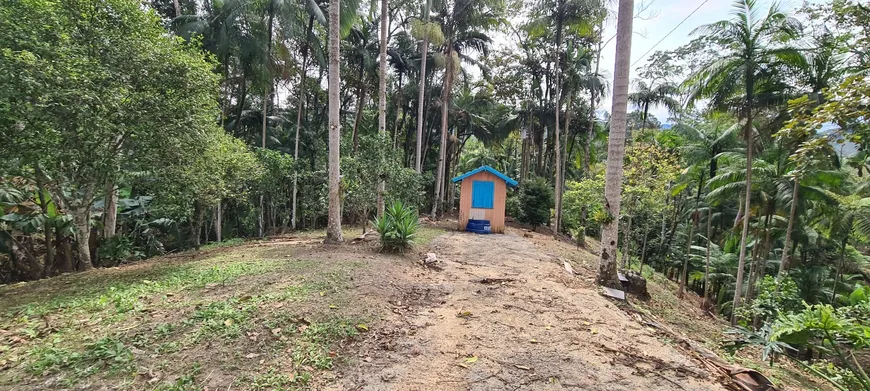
[(669, 33)]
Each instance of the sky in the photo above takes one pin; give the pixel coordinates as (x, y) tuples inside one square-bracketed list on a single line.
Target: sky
[(653, 24)]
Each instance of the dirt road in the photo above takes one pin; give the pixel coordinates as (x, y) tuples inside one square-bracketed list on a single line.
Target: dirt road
[(537, 329)]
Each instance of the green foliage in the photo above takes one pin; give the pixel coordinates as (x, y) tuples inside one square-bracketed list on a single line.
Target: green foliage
[(536, 200), (827, 330), (397, 227), (774, 298), (107, 354), (589, 194), (116, 250)]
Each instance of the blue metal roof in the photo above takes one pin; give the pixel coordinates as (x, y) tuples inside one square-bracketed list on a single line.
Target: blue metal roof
[(505, 178)]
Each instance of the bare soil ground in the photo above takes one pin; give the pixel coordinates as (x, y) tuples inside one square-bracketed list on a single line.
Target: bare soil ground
[(504, 314), (497, 312)]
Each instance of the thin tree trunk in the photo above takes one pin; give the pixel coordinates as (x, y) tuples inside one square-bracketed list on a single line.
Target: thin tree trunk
[(110, 211), (424, 54), (301, 103), (626, 238), (48, 262), (590, 130), (558, 135), (616, 147), (707, 263), (218, 222), (839, 268), (684, 276), (333, 227), (567, 153), (445, 110), (177, 8), (738, 286), (786, 248), (643, 250), (382, 100), (360, 103)]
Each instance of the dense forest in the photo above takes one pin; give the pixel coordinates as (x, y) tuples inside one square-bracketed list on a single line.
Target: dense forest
[(131, 129)]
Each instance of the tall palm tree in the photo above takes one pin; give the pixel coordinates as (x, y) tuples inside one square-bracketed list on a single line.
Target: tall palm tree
[(464, 24), (424, 54), (647, 96), (333, 227), (616, 147), (382, 93), (752, 47)]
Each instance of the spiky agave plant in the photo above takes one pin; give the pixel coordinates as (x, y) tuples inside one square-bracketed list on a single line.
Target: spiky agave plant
[(397, 227)]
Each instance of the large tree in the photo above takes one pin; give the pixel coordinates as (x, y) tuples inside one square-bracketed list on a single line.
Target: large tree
[(90, 87)]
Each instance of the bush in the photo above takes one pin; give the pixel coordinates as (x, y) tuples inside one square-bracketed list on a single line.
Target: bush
[(536, 200), (512, 205), (397, 227)]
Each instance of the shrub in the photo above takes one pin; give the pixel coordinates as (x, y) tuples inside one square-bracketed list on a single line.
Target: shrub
[(536, 200), (397, 227)]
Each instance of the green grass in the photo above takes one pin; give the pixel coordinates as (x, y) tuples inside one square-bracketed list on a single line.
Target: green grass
[(107, 355), (225, 243), (104, 327), (124, 293)]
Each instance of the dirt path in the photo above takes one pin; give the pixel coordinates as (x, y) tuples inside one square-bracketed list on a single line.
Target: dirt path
[(544, 330)]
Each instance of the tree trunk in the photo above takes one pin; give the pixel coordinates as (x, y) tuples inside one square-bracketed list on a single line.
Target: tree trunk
[(218, 222), (760, 258), (786, 248), (81, 221), (333, 227), (840, 267), (110, 211), (643, 250), (684, 276), (707, 263), (626, 237), (424, 53), (301, 104), (360, 103), (382, 100), (177, 8), (616, 147), (445, 110), (564, 161), (738, 285), (557, 135)]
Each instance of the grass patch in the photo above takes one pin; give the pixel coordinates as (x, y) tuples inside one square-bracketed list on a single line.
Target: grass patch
[(124, 293), (107, 355), (225, 243)]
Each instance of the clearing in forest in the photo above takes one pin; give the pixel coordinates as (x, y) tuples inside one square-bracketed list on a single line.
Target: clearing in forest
[(497, 312)]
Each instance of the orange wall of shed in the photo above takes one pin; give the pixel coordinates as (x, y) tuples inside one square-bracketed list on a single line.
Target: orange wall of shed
[(494, 215)]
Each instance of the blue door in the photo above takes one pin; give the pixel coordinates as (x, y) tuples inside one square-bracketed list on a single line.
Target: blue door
[(482, 194)]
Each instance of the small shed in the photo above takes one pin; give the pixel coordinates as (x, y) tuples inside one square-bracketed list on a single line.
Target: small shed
[(483, 193)]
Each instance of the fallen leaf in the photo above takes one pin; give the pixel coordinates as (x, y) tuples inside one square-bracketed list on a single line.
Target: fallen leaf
[(333, 306), (464, 314), (523, 367), (471, 360), (463, 365), (362, 327), (586, 323), (533, 340), (252, 355), (322, 293), (228, 322), (548, 327), (276, 331), (593, 330)]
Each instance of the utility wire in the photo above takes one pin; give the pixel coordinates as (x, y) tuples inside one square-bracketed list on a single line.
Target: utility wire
[(669, 33)]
